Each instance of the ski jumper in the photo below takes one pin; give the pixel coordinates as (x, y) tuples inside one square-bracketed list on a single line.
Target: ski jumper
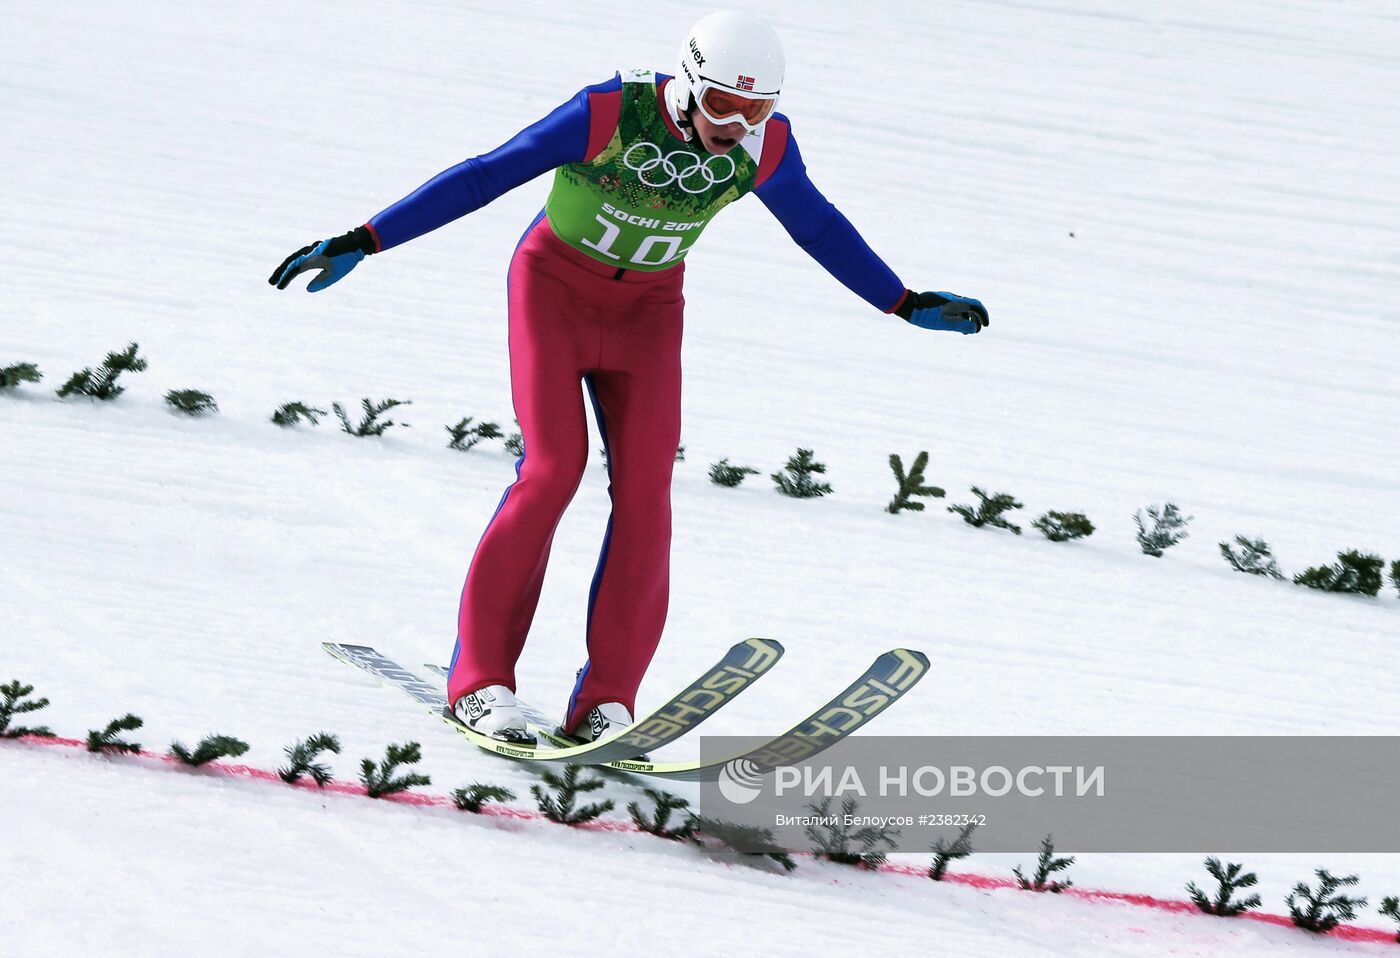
[(594, 294)]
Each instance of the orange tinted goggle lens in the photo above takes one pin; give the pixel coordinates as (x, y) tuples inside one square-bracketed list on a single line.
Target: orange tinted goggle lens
[(722, 103)]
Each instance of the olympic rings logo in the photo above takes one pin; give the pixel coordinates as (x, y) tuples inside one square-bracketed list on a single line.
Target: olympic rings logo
[(683, 172)]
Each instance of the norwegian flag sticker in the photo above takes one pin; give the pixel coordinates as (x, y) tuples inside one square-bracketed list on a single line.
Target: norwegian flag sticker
[(744, 83)]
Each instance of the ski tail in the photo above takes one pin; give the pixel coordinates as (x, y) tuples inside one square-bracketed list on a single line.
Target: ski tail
[(428, 694)]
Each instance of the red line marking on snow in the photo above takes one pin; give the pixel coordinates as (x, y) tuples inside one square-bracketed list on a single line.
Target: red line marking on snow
[(970, 879), (1177, 905), (419, 799)]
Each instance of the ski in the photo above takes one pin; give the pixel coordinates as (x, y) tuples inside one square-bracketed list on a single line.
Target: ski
[(740, 667), (888, 678)]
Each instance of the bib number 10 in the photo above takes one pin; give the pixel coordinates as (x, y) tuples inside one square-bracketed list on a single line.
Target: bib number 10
[(669, 247)]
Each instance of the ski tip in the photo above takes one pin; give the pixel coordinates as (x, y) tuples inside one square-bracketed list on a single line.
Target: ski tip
[(757, 654), (759, 641), (905, 666), (908, 654)]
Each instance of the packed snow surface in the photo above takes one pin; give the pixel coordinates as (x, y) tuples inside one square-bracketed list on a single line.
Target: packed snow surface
[(1182, 218)]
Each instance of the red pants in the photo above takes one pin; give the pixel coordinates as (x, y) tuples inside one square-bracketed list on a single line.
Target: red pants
[(575, 319)]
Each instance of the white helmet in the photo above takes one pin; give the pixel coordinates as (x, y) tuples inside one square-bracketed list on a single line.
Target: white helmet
[(731, 68)]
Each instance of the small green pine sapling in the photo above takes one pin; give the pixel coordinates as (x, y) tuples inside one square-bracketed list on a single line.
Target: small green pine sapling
[(559, 804), (658, 820), (796, 478), (302, 755), (1253, 557), (476, 796), (1355, 573), (1395, 574), (945, 851), (910, 484), (107, 741), (868, 846), (680, 453), (12, 376), (1168, 528), (1390, 908), (465, 435), (102, 384), (369, 424), (515, 442), (14, 704), (723, 474), (1322, 910), (191, 402), (1063, 526), (80, 382), (1230, 879), (289, 414), (379, 780), (989, 510), (1046, 866), (210, 747), (744, 839)]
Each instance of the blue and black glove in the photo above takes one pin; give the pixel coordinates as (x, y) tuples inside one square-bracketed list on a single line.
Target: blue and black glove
[(333, 257), (958, 314)]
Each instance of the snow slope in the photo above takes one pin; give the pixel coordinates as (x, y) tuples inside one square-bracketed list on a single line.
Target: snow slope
[(1182, 220)]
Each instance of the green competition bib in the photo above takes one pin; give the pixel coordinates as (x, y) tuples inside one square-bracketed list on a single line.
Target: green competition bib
[(643, 201)]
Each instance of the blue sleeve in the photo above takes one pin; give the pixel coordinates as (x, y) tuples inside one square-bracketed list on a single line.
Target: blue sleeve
[(560, 138), (826, 235)]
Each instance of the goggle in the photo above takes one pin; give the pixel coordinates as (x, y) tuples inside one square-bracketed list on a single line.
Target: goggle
[(722, 106)]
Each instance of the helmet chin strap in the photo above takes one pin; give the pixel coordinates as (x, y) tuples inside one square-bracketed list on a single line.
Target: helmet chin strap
[(681, 115)]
